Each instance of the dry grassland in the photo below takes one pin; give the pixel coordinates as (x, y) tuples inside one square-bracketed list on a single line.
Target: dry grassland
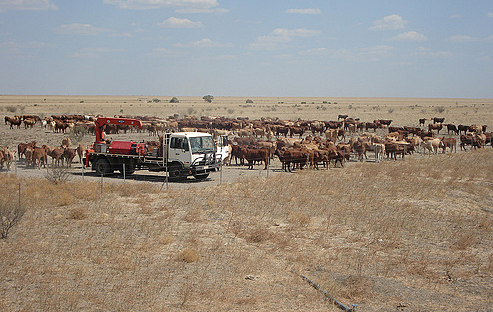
[(404, 111), (413, 235)]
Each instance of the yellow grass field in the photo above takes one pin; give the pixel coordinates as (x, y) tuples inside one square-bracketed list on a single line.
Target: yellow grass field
[(407, 235), (403, 111)]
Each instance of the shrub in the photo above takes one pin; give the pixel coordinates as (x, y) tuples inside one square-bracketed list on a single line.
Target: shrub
[(78, 132), (249, 101), (10, 215), (174, 100), (57, 175), (439, 109), (156, 100), (208, 98), (11, 108)]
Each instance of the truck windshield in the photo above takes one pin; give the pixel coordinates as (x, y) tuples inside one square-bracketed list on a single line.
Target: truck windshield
[(202, 144)]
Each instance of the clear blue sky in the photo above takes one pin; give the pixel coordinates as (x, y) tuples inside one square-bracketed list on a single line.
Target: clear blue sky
[(247, 48)]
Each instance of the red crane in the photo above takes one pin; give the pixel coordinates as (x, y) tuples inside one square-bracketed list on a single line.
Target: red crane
[(102, 121)]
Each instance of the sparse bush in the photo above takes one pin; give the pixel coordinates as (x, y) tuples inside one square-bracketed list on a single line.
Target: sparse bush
[(57, 175), (249, 101), (77, 133), (10, 215), (190, 111), (156, 100), (11, 108), (174, 100), (391, 110), (230, 111), (439, 109)]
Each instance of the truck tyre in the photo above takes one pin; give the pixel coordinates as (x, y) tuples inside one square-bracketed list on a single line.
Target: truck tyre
[(175, 173), (103, 166), (201, 176)]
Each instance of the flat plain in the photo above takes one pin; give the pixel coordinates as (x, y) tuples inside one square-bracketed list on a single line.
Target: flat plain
[(405, 235)]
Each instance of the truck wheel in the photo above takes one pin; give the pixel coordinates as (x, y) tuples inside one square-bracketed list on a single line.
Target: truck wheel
[(202, 176), (102, 166), (175, 173)]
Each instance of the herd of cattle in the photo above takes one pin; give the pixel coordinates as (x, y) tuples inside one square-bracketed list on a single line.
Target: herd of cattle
[(297, 144)]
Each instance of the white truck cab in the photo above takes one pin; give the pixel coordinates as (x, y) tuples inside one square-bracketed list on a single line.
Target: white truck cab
[(195, 151)]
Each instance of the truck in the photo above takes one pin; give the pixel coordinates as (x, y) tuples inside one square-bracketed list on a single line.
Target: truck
[(179, 154)]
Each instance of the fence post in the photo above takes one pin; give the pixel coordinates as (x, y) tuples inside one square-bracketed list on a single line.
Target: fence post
[(19, 196), (221, 173)]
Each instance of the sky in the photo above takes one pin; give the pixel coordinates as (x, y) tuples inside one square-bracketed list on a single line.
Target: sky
[(330, 48)]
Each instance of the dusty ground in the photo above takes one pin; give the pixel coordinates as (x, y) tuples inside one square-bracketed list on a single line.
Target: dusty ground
[(413, 235), (403, 111)]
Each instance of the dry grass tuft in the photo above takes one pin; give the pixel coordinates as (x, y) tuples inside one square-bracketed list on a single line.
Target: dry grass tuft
[(189, 255), (257, 235), (465, 241), (299, 218), (78, 213), (357, 288)]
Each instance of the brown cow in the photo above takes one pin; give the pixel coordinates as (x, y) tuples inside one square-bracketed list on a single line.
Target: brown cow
[(66, 142), (437, 127), (56, 154), (252, 155), (68, 155), (450, 143), (6, 157), (80, 151), (39, 157), (21, 147), (29, 123)]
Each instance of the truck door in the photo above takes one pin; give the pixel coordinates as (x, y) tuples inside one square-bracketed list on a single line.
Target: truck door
[(222, 147), (179, 150)]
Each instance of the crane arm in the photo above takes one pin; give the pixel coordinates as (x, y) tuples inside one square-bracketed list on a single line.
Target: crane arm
[(102, 121)]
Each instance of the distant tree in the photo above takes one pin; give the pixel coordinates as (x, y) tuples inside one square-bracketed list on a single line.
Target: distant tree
[(174, 100), (208, 98), (249, 101)]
